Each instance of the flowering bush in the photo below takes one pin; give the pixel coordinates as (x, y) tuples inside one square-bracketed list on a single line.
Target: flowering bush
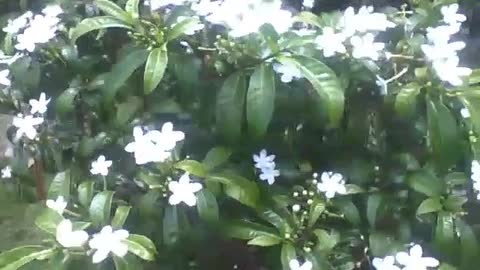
[(210, 134)]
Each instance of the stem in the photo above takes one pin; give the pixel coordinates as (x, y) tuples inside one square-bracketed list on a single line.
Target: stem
[(105, 186), (407, 57), (39, 180), (71, 213)]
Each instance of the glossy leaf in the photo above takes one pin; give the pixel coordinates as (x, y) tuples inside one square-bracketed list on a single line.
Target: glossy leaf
[(288, 253), (110, 8), (260, 99), (373, 203), (85, 193), (216, 157), (121, 215), (325, 83), (60, 185), (122, 71), (406, 100), (469, 246), (193, 167), (230, 106), (429, 205), (132, 8), (100, 208), (65, 103), (247, 230), (141, 246), (171, 226), (16, 258), (154, 69), (444, 240), (207, 206), (48, 221), (96, 23), (238, 188), (425, 182), (265, 241)]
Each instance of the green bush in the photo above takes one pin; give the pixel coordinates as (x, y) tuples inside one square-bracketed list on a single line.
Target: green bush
[(238, 134)]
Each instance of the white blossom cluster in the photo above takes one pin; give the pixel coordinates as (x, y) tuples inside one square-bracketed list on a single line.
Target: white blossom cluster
[(32, 29), (476, 177), (443, 53), (154, 145), (413, 260), (295, 265), (266, 164), (27, 124), (331, 183), (358, 29), (103, 243)]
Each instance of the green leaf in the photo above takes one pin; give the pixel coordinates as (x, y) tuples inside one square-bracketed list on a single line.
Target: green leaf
[(65, 103), (469, 247), (287, 254), (48, 221), (316, 209), (126, 111), (60, 185), (16, 258), (454, 203), (180, 28), (429, 205), (350, 211), (207, 206), (309, 18), (192, 166), (85, 193), (444, 240), (456, 179), (171, 226), (406, 100), (247, 230), (425, 182), (373, 203), (265, 241), (443, 135), (238, 188), (382, 245), (216, 157), (132, 8), (121, 215), (110, 8), (230, 105), (326, 240), (141, 246), (101, 207), (122, 70), (96, 23), (260, 99), (155, 68), (324, 81)]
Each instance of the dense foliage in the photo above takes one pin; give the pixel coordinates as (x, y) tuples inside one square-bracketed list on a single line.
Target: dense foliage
[(238, 134)]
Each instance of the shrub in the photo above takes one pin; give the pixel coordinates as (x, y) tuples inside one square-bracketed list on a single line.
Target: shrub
[(182, 134)]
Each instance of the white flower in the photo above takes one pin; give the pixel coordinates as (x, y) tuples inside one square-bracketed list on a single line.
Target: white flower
[(193, 28), (4, 80), (439, 51), (52, 10), (288, 72), (295, 265), (465, 113), (7, 59), (100, 166), (442, 33), (205, 7), (475, 171), (448, 71), (69, 238), (166, 139), (183, 191), (40, 105), (450, 15), (6, 172), (15, 25), (247, 16), (157, 4), (263, 160), (154, 146), (365, 47), (41, 30), (331, 42), (296, 208), (414, 260), (107, 241), (268, 174), (58, 205), (308, 3), (26, 126), (366, 20), (332, 183), (386, 263)]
